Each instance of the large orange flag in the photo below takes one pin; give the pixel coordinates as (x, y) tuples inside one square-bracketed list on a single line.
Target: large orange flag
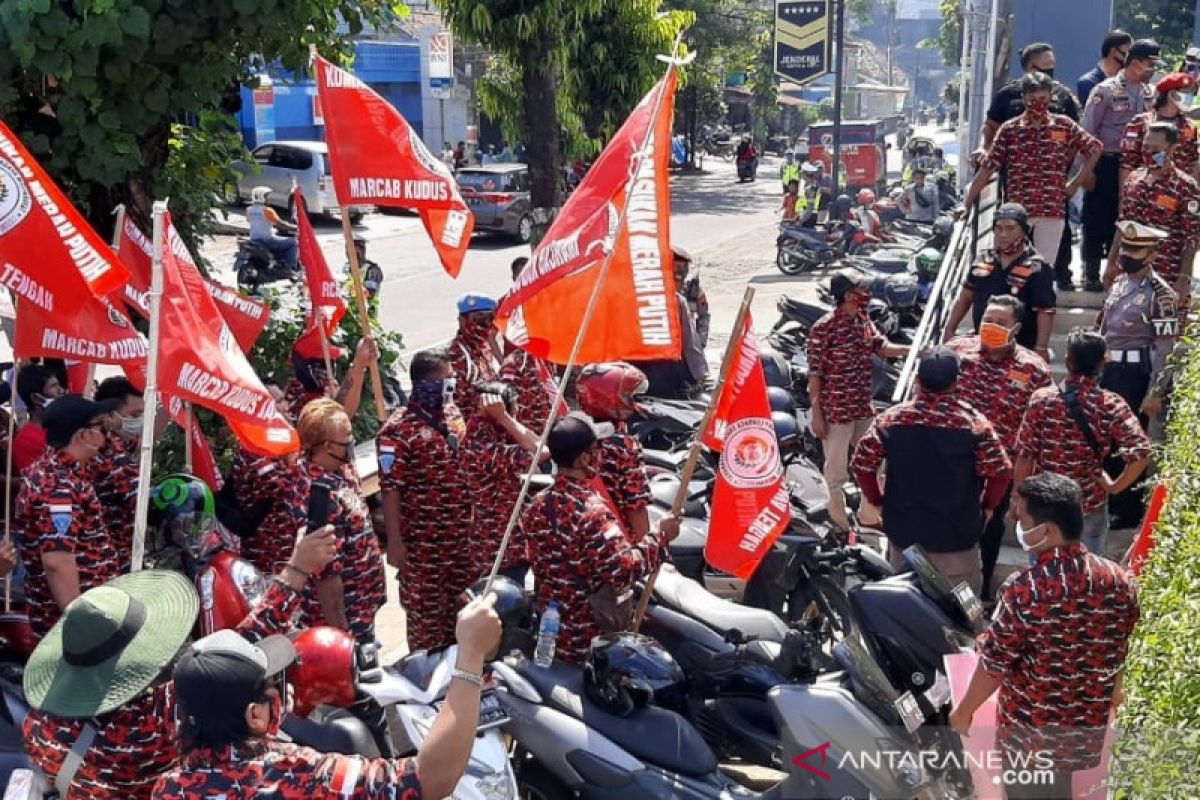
[(325, 301), (378, 159), (637, 315)]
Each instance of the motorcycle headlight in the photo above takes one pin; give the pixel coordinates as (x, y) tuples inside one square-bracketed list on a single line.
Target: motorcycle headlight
[(248, 580)]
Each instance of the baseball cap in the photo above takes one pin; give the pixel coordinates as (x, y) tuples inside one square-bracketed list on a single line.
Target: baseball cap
[(72, 413), (474, 301), (573, 434), (1145, 50), (845, 281), (938, 369), (221, 674)]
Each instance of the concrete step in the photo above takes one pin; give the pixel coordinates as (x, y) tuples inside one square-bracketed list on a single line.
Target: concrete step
[(1067, 317)]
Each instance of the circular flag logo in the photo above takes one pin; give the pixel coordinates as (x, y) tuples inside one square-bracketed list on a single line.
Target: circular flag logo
[(750, 458), (15, 201)]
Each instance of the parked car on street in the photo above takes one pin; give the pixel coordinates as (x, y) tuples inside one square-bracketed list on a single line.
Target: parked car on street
[(498, 195), (282, 162)]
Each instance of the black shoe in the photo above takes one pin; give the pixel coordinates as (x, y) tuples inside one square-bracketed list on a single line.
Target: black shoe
[(1065, 285), (1093, 285)]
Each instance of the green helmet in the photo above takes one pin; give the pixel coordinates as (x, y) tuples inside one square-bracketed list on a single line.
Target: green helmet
[(186, 514), (929, 261)]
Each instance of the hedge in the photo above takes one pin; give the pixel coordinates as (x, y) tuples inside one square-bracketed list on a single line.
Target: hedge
[(1157, 754)]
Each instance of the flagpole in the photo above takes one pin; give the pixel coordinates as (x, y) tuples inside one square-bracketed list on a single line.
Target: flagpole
[(363, 313), (8, 458), (146, 464), (589, 311), (693, 458), (189, 419)]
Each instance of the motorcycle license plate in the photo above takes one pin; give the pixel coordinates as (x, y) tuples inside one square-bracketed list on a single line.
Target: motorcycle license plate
[(969, 602), (910, 712), (491, 713)]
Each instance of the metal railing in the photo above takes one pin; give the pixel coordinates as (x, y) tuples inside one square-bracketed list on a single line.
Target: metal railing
[(971, 235)]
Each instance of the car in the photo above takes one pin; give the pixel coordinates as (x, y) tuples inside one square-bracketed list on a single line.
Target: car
[(498, 196), (281, 163)]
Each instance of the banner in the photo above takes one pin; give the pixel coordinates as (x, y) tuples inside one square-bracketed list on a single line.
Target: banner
[(636, 315), (324, 298), (803, 39), (378, 159), (204, 466), (201, 362), (751, 505)]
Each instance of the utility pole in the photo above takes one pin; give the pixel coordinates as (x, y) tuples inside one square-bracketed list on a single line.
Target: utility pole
[(840, 44), (891, 41)]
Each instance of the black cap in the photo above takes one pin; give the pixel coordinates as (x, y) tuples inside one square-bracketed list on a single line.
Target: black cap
[(1012, 211), (573, 434), (845, 281), (72, 413), (1145, 50), (938, 369)]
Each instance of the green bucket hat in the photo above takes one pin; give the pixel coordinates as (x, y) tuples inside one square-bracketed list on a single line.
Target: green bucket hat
[(111, 643)]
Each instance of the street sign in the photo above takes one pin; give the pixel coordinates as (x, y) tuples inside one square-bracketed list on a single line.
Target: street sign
[(803, 39), (441, 57)]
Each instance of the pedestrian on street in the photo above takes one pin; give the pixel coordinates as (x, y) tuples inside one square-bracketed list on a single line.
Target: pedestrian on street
[(947, 472), (1071, 428), (1055, 648), (327, 441), (37, 388), (499, 451), (1013, 268), (233, 696), (840, 348), (1035, 151), (475, 350), (997, 378), (1113, 52), (581, 558), (789, 170), (920, 201), (1111, 106), (1168, 110), (310, 381), (426, 501)]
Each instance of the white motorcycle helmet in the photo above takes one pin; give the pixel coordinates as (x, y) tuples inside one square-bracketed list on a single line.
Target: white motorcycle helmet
[(259, 194)]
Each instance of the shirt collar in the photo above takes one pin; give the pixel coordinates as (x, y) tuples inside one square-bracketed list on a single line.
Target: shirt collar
[(208, 757), (1082, 381), (1065, 551)]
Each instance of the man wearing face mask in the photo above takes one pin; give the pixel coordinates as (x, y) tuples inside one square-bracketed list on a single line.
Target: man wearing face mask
[(1013, 268), (475, 351), (1113, 51), (426, 500), (310, 380), (37, 387), (1168, 109), (61, 534), (997, 379), (1161, 195), (1036, 151), (1110, 108), (1009, 102), (840, 347), (1056, 646)]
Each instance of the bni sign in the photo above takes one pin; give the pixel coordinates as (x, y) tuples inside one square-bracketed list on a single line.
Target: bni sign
[(441, 61), (803, 39)]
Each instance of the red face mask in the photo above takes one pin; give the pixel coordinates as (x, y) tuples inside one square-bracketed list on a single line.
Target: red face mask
[(1038, 107)]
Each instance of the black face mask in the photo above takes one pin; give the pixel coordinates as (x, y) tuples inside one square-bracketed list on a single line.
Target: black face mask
[(1130, 265)]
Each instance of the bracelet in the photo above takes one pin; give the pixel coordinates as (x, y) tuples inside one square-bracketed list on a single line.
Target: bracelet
[(298, 571), (469, 677)]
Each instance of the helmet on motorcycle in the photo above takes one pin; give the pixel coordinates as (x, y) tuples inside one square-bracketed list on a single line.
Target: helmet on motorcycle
[(787, 431), (518, 621), (780, 399), (866, 197), (943, 227), (325, 670), (259, 194), (776, 370), (608, 392), (627, 671), (842, 207), (184, 512), (929, 261)]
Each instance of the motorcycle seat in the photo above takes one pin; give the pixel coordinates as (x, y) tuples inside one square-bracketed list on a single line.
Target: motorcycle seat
[(663, 490), (688, 597), (802, 311), (332, 730), (659, 737)]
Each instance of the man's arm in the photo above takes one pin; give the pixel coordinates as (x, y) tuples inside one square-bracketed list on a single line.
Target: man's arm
[(1045, 327), (349, 394), (890, 350), (332, 596), (981, 687), (980, 180), (390, 499), (62, 573), (963, 304)]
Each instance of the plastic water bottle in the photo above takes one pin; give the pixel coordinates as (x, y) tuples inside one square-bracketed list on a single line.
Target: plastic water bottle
[(547, 639)]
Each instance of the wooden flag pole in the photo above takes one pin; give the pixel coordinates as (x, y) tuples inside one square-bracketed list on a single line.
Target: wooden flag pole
[(8, 460), (189, 419), (363, 313), (146, 463), (693, 458)]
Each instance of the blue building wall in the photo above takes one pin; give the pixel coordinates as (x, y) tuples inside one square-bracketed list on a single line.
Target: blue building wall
[(393, 69), (1074, 27)]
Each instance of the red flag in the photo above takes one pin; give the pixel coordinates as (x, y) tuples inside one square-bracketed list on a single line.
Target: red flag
[(200, 361), (246, 318), (751, 505), (377, 159), (637, 315), (323, 294), (204, 466), (96, 332)]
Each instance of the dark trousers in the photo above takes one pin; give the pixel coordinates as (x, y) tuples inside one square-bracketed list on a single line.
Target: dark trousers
[(1062, 262), (1100, 209), (989, 543), (1132, 382)]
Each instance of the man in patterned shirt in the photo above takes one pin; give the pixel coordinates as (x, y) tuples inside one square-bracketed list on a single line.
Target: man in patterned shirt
[(427, 501), (576, 545), (1169, 111), (997, 378), (63, 540), (475, 350), (1036, 150), (1070, 430), (532, 378), (310, 380), (232, 698), (946, 472), (1056, 646), (840, 347)]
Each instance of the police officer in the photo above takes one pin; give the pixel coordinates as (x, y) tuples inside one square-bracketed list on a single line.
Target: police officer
[(1168, 108), (1111, 107), (789, 170), (1113, 51), (372, 273)]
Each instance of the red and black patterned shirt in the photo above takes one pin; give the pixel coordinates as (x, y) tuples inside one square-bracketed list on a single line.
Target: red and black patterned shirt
[(498, 466), (260, 768), (1057, 643), (1186, 154), (1171, 204), (535, 384), (473, 361), (418, 458), (1036, 158), (622, 472), (999, 390), (136, 743), (296, 396), (576, 546), (58, 512), (1051, 437), (282, 485), (114, 474), (840, 347)]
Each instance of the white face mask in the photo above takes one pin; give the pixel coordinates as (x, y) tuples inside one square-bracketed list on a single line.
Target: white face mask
[(131, 427), (1023, 537)]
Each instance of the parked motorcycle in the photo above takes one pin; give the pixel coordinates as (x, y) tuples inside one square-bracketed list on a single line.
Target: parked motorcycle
[(256, 266)]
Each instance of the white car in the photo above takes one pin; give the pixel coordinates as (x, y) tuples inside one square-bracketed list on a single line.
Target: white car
[(279, 163)]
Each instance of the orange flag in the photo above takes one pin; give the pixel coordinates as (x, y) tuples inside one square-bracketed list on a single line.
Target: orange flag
[(324, 297)]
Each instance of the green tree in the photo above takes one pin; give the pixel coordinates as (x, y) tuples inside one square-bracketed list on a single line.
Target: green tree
[(1169, 22), (120, 99), (949, 38), (862, 11)]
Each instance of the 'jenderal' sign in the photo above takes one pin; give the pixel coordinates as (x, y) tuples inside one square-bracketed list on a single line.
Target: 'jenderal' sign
[(803, 37)]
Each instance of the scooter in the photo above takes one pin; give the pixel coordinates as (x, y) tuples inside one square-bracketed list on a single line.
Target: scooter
[(255, 265)]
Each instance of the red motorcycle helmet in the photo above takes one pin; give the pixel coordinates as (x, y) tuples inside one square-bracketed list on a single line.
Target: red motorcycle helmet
[(325, 670), (866, 197), (608, 392)]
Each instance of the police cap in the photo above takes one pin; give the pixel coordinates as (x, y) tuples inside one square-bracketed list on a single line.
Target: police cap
[(1135, 234)]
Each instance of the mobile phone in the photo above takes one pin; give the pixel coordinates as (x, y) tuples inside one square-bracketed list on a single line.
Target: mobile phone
[(318, 507)]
